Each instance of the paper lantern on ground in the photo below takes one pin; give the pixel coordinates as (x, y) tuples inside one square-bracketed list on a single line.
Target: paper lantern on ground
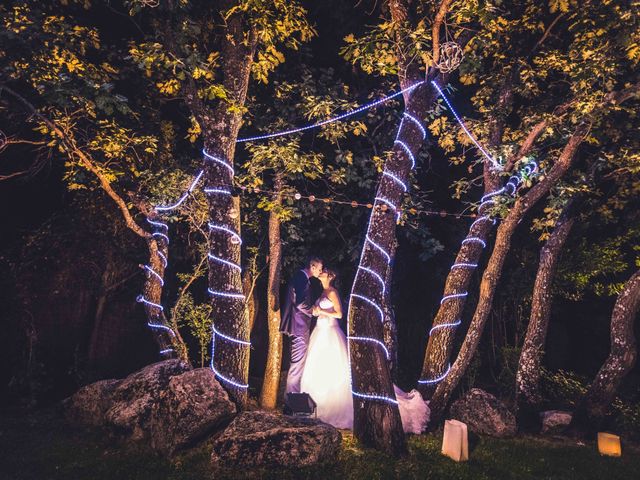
[(455, 442), (609, 444)]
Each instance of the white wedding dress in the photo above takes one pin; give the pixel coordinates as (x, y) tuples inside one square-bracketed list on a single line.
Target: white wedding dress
[(326, 378)]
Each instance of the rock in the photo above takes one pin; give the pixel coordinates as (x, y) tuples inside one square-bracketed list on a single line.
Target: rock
[(555, 421), (484, 414), (134, 398), (89, 405), (256, 439), (193, 405)]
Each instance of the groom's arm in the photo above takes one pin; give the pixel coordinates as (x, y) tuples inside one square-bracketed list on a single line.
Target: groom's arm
[(302, 289)]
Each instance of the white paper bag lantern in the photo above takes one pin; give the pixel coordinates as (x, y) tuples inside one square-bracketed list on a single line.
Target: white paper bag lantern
[(609, 444), (455, 442)]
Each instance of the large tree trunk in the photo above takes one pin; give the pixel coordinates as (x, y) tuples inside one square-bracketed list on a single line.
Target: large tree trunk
[(220, 126), (622, 357), (493, 272), (271, 383), (528, 397), (377, 419), (376, 415)]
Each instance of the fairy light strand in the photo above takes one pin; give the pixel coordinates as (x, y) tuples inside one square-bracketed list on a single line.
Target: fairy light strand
[(492, 161)]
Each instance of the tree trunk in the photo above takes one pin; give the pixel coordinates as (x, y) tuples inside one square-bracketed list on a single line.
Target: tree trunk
[(528, 397), (271, 383), (249, 278), (442, 334), (376, 417), (390, 336), (230, 338), (106, 279), (622, 357), (493, 272)]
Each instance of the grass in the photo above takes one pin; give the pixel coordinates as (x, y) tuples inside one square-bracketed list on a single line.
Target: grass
[(42, 446)]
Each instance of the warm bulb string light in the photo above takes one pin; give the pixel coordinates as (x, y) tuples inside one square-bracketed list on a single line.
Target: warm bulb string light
[(510, 188)]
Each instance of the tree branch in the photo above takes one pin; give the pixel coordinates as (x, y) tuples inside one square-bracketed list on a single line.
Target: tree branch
[(85, 160)]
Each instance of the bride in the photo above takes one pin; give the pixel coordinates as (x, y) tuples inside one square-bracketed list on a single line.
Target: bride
[(327, 377)]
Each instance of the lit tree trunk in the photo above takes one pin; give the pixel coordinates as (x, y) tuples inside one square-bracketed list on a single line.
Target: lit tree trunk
[(271, 382), (376, 416), (528, 397), (622, 357), (220, 126), (493, 272), (442, 334)]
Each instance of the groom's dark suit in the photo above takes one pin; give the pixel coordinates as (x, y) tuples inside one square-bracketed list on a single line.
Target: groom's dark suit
[(296, 322)]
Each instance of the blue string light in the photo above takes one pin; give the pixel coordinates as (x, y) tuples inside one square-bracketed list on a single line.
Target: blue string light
[(407, 150), (510, 188), (332, 119), (183, 197), (493, 162), (437, 379)]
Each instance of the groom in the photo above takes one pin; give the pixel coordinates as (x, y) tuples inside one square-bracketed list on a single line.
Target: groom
[(296, 318)]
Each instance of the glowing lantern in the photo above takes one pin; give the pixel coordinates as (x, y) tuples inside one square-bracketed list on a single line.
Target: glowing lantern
[(609, 444), (455, 442)]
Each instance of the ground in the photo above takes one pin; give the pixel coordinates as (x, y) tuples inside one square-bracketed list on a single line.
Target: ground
[(42, 446)]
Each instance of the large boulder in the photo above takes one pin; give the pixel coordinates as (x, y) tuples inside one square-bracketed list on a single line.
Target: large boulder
[(484, 414), (259, 439), (555, 421), (193, 405), (167, 404), (89, 405), (134, 398)]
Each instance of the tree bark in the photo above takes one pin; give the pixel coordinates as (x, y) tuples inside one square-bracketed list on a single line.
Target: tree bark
[(271, 383), (622, 358), (220, 126), (390, 337), (493, 272), (528, 397)]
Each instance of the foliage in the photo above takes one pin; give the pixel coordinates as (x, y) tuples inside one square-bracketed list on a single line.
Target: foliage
[(197, 319)]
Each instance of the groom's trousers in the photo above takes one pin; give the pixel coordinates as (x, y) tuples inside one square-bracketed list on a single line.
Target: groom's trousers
[(299, 345)]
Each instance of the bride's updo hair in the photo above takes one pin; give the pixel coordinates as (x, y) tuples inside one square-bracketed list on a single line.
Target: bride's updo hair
[(333, 277)]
